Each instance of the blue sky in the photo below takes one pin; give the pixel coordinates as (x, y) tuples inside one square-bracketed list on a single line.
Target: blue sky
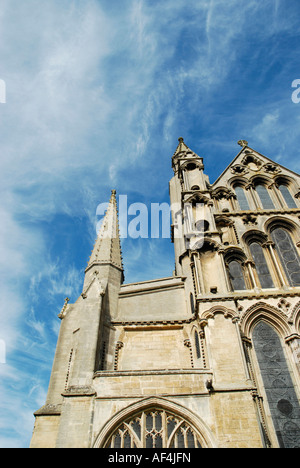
[(98, 93)]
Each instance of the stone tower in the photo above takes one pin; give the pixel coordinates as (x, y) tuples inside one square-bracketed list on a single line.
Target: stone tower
[(208, 357)]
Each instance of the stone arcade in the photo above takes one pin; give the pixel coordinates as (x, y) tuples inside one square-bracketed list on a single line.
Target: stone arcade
[(208, 357)]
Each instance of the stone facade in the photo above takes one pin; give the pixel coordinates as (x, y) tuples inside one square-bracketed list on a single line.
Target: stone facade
[(208, 357)]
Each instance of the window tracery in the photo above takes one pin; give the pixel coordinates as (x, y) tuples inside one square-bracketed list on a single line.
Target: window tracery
[(236, 276), (192, 302), (197, 345), (281, 396), (242, 198), (261, 265), (286, 194), (288, 255), (264, 196), (154, 428), (237, 269)]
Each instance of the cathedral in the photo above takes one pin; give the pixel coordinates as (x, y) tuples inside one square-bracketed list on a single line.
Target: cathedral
[(206, 358)]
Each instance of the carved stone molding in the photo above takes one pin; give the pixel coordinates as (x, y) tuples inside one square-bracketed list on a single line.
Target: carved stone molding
[(250, 219), (188, 344), (272, 168), (95, 279), (162, 403), (269, 313), (251, 158), (222, 192), (119, 346), (239, 169), (284, 305), (228, 313), (64, 310)]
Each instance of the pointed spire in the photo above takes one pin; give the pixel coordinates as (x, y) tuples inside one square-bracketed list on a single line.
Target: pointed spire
[(183, 150), (107, 248)]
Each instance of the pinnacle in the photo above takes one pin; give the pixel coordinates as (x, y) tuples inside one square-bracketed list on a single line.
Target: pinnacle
[(183, 150), (243, 143), (107, 248)]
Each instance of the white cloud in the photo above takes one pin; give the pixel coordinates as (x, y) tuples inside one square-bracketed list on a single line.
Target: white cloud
[(268, 127)]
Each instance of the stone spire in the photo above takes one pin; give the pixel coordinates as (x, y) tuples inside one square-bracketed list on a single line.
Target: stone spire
[(183, 150), (107, 248)]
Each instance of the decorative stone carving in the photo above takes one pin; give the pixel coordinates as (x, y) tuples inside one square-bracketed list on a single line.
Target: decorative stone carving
[(243, 143), (252, 161), (99, 285), (239, 169), (284, 305), (64, 310), (272, 168), (119, 346), (250, 219)]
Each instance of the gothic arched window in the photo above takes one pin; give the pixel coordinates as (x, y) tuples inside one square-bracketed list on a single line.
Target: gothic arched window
[(197, 344), (236, 275), (288, 255), (261, 265), (242, 199), (154, 428), (192, 303), (264, 196), (281, 396), (287, 196)]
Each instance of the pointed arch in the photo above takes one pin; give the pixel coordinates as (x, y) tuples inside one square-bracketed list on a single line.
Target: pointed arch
[(195, 340), (238, 180), (286, 179), (288, 189), (235, 262), (192, 422), (197, 198), (295, 317), (222, 192), (288, 254), (241, 198), (260, 179), (218, 309), (210, 244), (278, 384), (270, 314), (280, 221), (233, 253), (254, 235)]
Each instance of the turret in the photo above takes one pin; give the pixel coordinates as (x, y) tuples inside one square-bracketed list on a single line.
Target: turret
[(80, 341)]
